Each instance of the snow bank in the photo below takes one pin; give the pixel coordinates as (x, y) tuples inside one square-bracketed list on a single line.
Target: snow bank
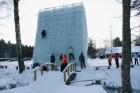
[(49, 83), (53, 82), (113, 75), (82, 89)]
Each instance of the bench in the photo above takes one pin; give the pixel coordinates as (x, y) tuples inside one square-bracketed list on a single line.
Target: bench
[(94, 81), (42, 68), (3, 66), (97, 67)]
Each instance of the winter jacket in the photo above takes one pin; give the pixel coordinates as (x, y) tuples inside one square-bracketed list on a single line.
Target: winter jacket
[(109, 60), (61, 57), (81, 58), (64, 60), (116, 56), (52, 59), (135, 56)]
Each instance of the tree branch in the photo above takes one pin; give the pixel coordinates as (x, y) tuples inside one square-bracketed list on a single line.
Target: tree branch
[(135, 4), (119, 1), (134, 27)]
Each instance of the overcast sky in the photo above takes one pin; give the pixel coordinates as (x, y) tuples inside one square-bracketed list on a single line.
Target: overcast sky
[(103, 16)]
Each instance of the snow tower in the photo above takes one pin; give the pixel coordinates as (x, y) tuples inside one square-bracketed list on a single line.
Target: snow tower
[(58, 30)]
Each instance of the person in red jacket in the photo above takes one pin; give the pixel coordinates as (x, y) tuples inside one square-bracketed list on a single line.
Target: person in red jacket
[(64, 62), (116, 57)]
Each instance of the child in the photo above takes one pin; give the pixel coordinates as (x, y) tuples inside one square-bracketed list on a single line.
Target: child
[(109, 60)]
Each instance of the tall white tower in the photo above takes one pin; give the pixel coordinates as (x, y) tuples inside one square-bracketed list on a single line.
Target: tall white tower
[(65, 26)]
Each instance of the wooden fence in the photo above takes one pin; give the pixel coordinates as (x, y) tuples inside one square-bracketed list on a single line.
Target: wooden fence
[(69, 73), (44, 67)]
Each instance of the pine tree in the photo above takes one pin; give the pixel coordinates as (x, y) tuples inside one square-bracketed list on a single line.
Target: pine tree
[(91, 49), (117, 42)]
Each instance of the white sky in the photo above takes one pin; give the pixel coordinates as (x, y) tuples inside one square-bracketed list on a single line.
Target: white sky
[(103, 16)]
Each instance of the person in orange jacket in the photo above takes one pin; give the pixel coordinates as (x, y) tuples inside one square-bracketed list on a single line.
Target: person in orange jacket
[(110, 60), (64, 62)]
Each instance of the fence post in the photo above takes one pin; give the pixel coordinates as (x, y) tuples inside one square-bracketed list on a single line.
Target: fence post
[(51, 67), (68, 71), (74, 67), (46, 67), (41, 70), (55, 67), (35, 75), (71, 68), (64, 76)]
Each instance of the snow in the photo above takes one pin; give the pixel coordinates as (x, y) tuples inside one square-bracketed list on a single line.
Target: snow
[(54, 85), (65, 27), (83, 89), (53, 81), (113, 75)]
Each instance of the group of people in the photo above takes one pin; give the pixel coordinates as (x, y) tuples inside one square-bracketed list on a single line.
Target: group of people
[(116, 57), (64, 59)]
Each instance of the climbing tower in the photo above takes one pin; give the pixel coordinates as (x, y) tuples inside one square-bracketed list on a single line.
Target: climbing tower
[(58, 29)]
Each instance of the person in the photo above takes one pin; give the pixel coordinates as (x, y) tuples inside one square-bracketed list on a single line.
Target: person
[(82, 60), (116, 57), (136, 59), (43, 33), (35, 65), (52, 60), (71, 55), (61, 57), (110, 60), (64, 62), (131, 60)]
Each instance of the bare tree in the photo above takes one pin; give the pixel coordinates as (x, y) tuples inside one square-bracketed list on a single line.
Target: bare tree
[(4, 4), (18, 37), (126, 52), (136, 6)]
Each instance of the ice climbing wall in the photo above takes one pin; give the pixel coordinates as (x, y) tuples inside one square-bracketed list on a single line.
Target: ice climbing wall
[(65, 27)]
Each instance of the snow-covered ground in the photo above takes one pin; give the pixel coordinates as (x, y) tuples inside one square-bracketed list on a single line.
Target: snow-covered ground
[(113, 75), (10, 77), (52, 82)]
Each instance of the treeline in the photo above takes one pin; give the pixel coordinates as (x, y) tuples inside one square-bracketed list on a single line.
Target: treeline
[(8, 50)]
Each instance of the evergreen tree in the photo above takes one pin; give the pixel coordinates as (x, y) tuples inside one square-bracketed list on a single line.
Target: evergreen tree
[(2, 48), (117, 42), (91, 49), (8, 50)]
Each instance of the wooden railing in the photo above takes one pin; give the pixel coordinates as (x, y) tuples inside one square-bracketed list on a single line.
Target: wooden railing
[(41, 69), (69, 73)]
